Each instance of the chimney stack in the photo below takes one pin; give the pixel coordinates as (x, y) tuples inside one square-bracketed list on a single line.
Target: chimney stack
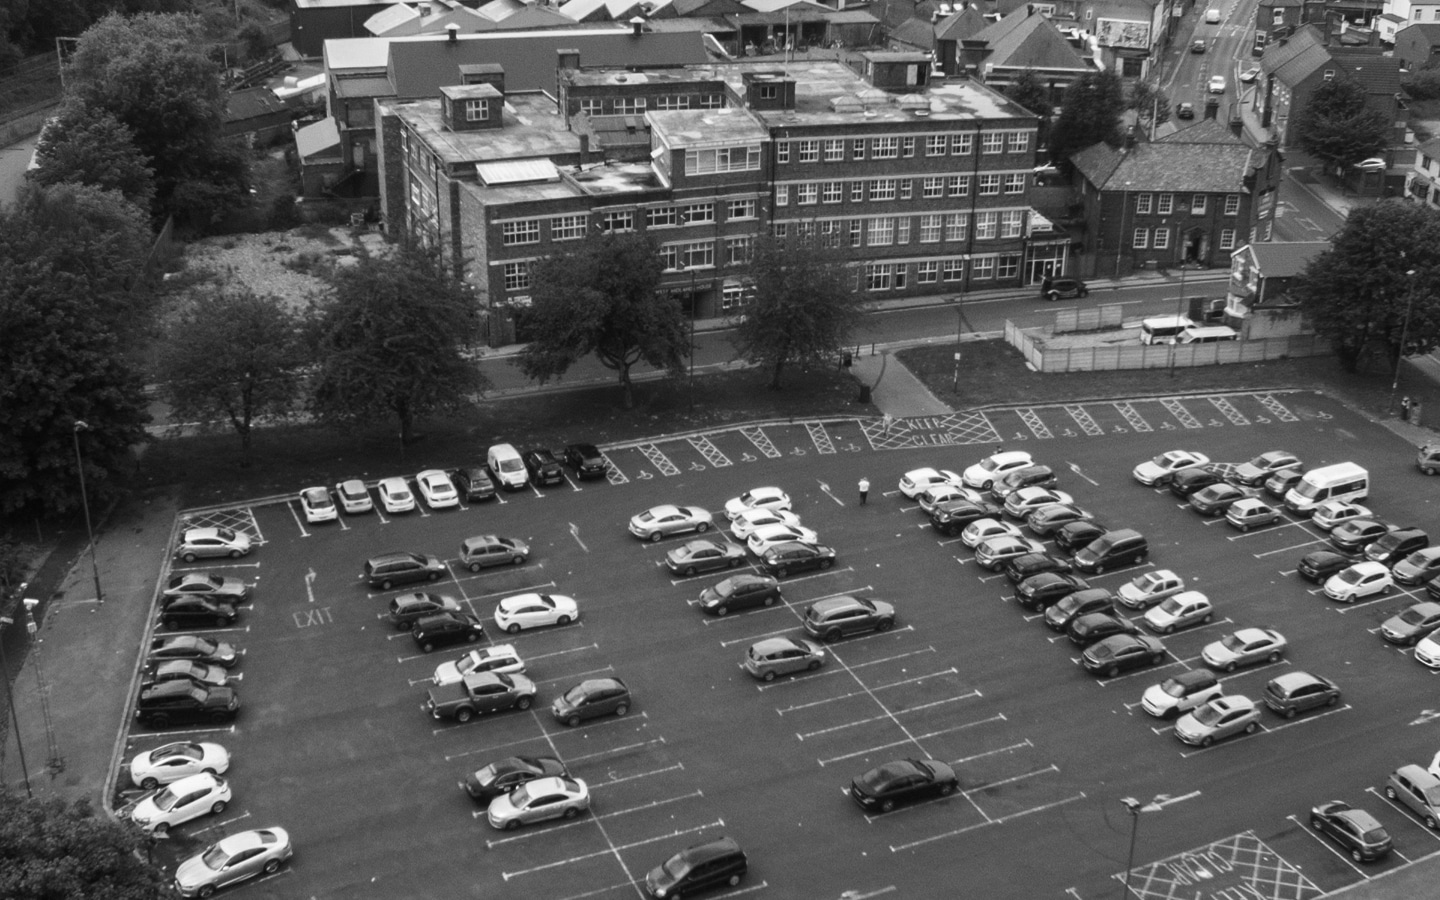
[(637, 24), (454, 31)]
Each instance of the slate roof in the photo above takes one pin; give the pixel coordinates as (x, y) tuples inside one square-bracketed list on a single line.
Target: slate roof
[(915, 33), (499, 10), (388, 20), (1298, 58), (1430, 148), (1023, 40), (1431, 30), (252, 103), (1377, 74), (1172, 165), (1201, 131), (580, 10), (962, 25), (1283, 259)]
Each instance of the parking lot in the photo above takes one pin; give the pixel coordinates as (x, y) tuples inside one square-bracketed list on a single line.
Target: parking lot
[(333, 742)]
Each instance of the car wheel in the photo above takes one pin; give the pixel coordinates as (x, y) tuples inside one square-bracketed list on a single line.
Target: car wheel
[(1430, 823), (1250, 729), (1244, 528), (1390, 792), (1290, 713), (217, 807), (475, 567), (1357, 856), (209, 889), (947, 789), (1206, 741), (654, 537), (887, 805), (1166, 630), (160, 721), (563, 620), (426, 647), (573, 721), (1430, 470), (1112, 671), (385, 585), (733, 563), (781, 572), (769, 676), (523, 703), (721, 610), (1230, 667), (622, 709), (433, 576), (826, 563), (885, 625), (514, 628), (1157, 659), (234, 554), (832, 635), (150, 784), (1052, 296), (1099, 570), (272, 867), (188, 557), (571, 812), (172, 625), (162, 828), (221, 621), (814, 664), (734, 880), (769, 601), (464, 716), (1333, 700), (1385, 590), (512, 824), (1316, 824), (1206, 620), (1274, 657), (516, 560), (702, 528), (472, 637)]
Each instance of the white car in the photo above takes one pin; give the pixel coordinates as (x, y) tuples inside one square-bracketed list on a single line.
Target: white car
[(354, 496), (180, 801), (507, 467), (500, 658), (317, 505), (991, 469), (759, 498), (172, 762), (743, 525), (1212, 16), (1360, 580), (661, 521), (553, 797), (233, 859), (1180, 611), (1244, 647), (982, 530), (437, 489), (994, 553), (1162, 468), (534, 611), (1144, 591), (940, 493), (1217, 84), (395, 496), (917, 480), (767, 536), (1332, 513), (1427, 653), (1028, 499)]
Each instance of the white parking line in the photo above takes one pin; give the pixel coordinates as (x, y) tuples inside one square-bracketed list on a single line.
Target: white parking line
[(814, 703), (999, 717), (1023, 745), (169, 735), (614, 750), (579, 675), (612, 780), (1320, 839), (1290, 549), (896, 848), (871, 817), (492, 844), (615, 850), (221, 825)]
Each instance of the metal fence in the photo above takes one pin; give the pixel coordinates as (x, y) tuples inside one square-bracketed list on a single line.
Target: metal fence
[(1100, 358), (1091, 318)]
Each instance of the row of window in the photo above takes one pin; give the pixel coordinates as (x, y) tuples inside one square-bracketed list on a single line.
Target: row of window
[(932, 228), (896, 276), (990, 184), (723, 159), (1165, 204), (896, 146), (636, 106), (1159, 239), (572, 227)]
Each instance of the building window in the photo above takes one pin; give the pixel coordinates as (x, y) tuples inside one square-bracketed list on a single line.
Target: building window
[(955, 226), (902, 230), (737, 250), (882, 189), (857, 148), (957, 185), (807, 194), (712, 101), (882, 232), (629, 106), (1232, 204), (1166, 204), (932, 188), (962, 144), (1142, 204), (782, 152), (982, 268), (855, 235), (1019, 141), (907, 147), (809, 151), (930, 228), (1009, 266), (740, 209), (592, 106), (885, 148), (617, 221), (723, 159), (517, 276), (831, 231), (989, 185), (1162, 239), (1227, 239), (835, 151), (782, 195), (1015, 183), (665, 217), (986, 225), (832, 192), (1197, 205), (927, 272), (526, 231), (567, 228), (732, 298), (477, 110), (907, 188), (1141, 239), (877, 276), (992, 142), (1279, 16), (857, 191), (672, 101), (952, 269), (1012, 223), (779, 229), (1329, 74), (697, 255), (935, 145)]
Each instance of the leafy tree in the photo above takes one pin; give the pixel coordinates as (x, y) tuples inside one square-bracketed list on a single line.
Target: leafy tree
[(1030, 92), (152, 73), (73, 301), (1091, 114), (1357, 292), (390, 340), (805, 307), (232, 357), (601, 296), (90, 146), (1149, 102), (1337, 127), (1424, 84), (50, 850)]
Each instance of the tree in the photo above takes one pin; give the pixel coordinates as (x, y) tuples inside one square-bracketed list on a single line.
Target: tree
[(602, 296), (1337, 127), (1149, 102), (74, 301), (390, 340), (91, 146), (805, 307), (233, 357), (1359, 294), (1030, 92), (1424, 84), (151, 73), (50, 850), (1091, 114)]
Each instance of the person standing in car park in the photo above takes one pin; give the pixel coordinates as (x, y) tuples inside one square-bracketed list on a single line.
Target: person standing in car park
[(864, 490)]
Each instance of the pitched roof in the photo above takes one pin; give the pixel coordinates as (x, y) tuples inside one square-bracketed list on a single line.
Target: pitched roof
[(1431, 30), (1298, 57), (252, 103), (1023, 40), (962, 25), (499, 10), (580, 10), (1172, 165), (1376, 74), (1431, 147), (1282, 259), (915, 32), (1202, 131), (387, 20), (317, 138)]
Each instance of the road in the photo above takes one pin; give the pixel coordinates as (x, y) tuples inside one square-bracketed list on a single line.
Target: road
[(14, 160)]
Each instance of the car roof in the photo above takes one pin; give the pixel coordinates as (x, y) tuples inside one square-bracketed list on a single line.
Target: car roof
[(598, 684), (770, 645), (1289, 681), (1196, 676), (1251, 634), (1369, 567)]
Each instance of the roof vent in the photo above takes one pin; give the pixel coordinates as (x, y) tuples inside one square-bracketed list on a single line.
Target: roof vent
[(454, 31)]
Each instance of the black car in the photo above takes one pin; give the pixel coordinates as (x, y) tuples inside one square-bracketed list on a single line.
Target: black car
[(740, 592), (1121, 653), (1354, 829), (407, 609), (183, 701), (1047, 520), (1079, 603), (389, 569), (585, 460), (902, 781), (473, 483), (207, 585), (203, 674), (1058, 288), (1319, 565), (793, 556), (1093, 627), (1077, 535), (543, 467), (193, 646), (506, 775), (1281, 482), (836, 617), (1019, 568), (1047, 588), (950, 517), (197, 612), (697, 868), (1184, 110), (448, 628), (1352, 536), (1188, 481)]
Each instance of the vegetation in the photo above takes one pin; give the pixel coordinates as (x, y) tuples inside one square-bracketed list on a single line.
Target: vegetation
[(1337, 127), (1091, 113), (50, 850), (90, 146)]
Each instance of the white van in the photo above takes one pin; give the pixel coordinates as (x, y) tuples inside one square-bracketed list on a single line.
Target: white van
[(1163, 329), (507, 467), (1207, 334), (1342, 481)]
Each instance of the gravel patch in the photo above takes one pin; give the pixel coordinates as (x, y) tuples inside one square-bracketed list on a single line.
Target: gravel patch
[(288, 264)]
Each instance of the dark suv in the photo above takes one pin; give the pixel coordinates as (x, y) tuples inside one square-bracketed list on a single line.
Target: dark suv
[(174, 702), (1112, 550), (1395, 546), (696, 868), (473, 483), (543, 467), (840, 616), (1057, 288), (586, 460), (447, 628), (389, 569)]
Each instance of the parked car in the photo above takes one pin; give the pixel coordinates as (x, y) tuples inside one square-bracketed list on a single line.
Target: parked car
[(552, 797), (1427, 459), (1243, 648), (1251, 513), (390, 569), (204, 674), (183, 702), (1417, 789), (1071, 606), (784, 559), (1181, 693), (953, 516), (1427, 652), (1093, 627), (665, 520), (522, 611), (981, 530), (903, 781), (1250, 75), (836, 617), (1053, 289), (506, 467), (1019, 568), (915, 481), (1023, 501), (1112, 550), (395, 496), (177, 760), (1194, 479), (696, 868), (206, 543), (177, 803), (437, 489), (1150, 588), (1121, 653), (773, 657), (942, 493), (505, 775), (1185, 110), (499, 658), (473, 483), (486, 550), (590, 698), (1410, 625), (445, 629), (1295, 692), (1218, 719), (1318, 565), (1196, 47), (1028, 477), (1417, 568), (318, 505), (354, 496), (1359, 581), (1216, 499), (1254, 472), (1391, 548), (1279, 484), (1332, 513), (1353, 536), (1078, 535), (757, 498), (1180, 611), (981, 475), (697, 556), (233, 859), (1046, 520), (543, 467), (407, 609), (1161, 469), (740, 592), (1360, 833), (767, 536), (205, 584), (995, 552), (1047, 588), (585, 460), (745, 524), (193, 646), (197, 612)]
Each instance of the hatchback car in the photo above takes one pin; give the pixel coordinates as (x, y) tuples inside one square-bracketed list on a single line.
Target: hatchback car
[(1196, 47), (1161, 469), (1279, 484), (1028, 477), (1185, 110), (1023, 501), (662, 521), (995, 552), (318, 505), (407, 609), (943, 493), (1251, 513), (1215, 499), (1182, 693), (915, 481), (767, 536), (505, 775), (193, 646), (233, 859), (757, 498), (585, 460), (553, 797), (207, 585), (837, 617), (543, 467), (389, 569), (172, 762), (1332, 513), (1217, 83), (184, 669), (1077, 535), (1318, 565), (1427, 652), (744, 525), (1417, 789), (1409, 626), (1062, 612), (773, 657), (1254, 472), (1295, 692), (982, 530), (500, 658), (698, 556), (188, 798), (487, 550), (395, 495), (1094, 627), (1218, 719), (1359, 581), (204, 543), (1053, 289), (1243, 648), (1187, 482), (1360, 833), (179, 702), (1149, 589), (1180, 611), (1427, 459), (437, 489), (1121, 653), (354, 496), (1019, 568), (981, 475), (1354, 535), (697, 868), (590, 698), (903, 781), (1045, 589), (783, 559), (1417, 568), (740, 592), (1391, 548), (473, 483), (953, 516), (197, 612), (446, 629), (513, 614), (1111, 550), (1046, 520)]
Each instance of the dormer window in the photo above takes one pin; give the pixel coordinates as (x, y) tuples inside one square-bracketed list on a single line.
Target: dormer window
[(477, 111)]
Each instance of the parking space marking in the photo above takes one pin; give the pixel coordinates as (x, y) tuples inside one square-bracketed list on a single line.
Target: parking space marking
[(1228, 410), (613, 750), (821, 674), (999, 717), (222, 825), (612, 471), (820, 438), (1177, 409), (168, 735), (614, 850), (749, 889), (492, 844), (1023, 745), (896, 848), (1276, 408), (814, 703), (762, 442), (1083, 418), (1290, 549), (887, 714), (708, 450), (1132, 418), (1032, 421), (1238, 866), (580, 675), (1403, 810), (1319, 839), (658, 460)]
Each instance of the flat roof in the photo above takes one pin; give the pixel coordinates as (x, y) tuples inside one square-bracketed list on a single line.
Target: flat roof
[(531, 127), (701, 128), (596, 77)]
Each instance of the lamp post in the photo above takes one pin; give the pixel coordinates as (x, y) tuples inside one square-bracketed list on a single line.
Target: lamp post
[(1404, 335), (1179, 308), (80, 426), (1120, 238), (693, 305), (10, 700)]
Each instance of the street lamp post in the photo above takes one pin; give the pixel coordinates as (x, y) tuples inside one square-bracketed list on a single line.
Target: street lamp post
[(693, 305), (1120, 238), (1404, 335), (10, 700), (1179, 309), (80, 426), (959, 321)]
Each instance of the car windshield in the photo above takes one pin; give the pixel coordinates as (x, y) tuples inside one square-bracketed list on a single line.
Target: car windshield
[(990, 465), (725, 588), (1208, 714), (1375, 836), (1351, 576), (1172, 606), (520, 797), (225, 534), (1173, 687), (165, 800), (1233, 643), (215, 857), (1162, 460), (1261, 462), (486, 775), (1306, 489), (1414, 616), (511, 465), (575, 695), (675, 866)]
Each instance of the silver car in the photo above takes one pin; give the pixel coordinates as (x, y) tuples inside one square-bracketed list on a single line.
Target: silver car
[(773, 657)]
